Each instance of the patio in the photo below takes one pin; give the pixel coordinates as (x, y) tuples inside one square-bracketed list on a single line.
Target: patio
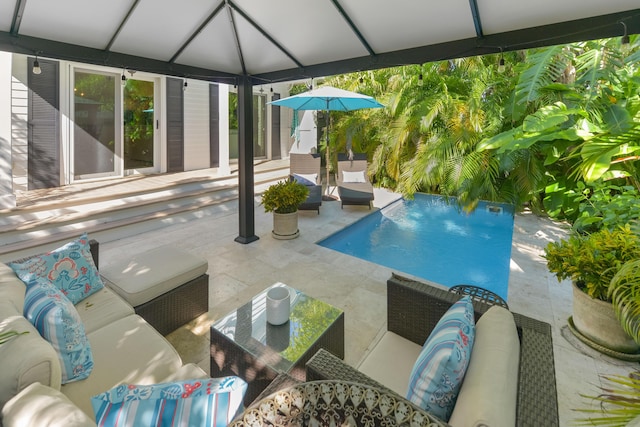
[(240, 271)]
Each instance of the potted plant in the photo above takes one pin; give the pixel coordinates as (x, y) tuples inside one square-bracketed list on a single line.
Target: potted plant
[(592, 261), (283, 199)]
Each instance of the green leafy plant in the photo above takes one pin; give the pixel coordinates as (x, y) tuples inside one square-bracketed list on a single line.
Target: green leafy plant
[(6, 336), (592, 260), (624, 292), (605, 205), (284, 197), (618, 403)]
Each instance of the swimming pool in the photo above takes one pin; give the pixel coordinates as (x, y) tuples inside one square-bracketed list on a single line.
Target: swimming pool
[(429, 238)]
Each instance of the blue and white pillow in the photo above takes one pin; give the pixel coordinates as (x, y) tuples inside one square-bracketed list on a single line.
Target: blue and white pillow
[(199, 402), (438, 372), (70, 268), (58, 321)]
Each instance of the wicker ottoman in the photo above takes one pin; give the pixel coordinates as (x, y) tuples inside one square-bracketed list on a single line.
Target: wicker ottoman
[(167, 286)]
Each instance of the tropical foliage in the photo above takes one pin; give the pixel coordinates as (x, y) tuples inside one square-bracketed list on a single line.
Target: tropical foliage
[(546, 133), (618, 404)]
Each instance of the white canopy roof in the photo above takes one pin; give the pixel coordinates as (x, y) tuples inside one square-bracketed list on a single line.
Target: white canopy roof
[(278, 40)]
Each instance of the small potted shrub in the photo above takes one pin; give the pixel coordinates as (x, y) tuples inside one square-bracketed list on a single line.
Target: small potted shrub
[(283, 199), (591, 261)]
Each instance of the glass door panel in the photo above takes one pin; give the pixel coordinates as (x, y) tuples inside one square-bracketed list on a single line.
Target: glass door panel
[(259, 125), (138, 115), (94, 137)]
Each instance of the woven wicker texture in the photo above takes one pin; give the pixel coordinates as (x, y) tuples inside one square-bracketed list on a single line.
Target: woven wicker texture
[(479, 294), (414, 308), (173, 309)]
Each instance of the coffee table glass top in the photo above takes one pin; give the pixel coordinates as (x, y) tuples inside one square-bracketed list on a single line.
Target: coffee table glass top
[(247, 327)]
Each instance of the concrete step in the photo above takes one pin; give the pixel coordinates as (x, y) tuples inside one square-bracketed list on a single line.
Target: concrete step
[(63, 219)]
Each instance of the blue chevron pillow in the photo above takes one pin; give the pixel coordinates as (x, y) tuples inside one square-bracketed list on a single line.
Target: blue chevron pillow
[(438, 372)]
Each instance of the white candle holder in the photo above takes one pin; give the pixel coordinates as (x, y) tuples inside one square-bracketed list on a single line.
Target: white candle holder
[(278, 305)]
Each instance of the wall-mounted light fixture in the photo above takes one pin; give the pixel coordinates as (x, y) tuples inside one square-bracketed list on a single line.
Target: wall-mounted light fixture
[(185, 85), (501, 66), (420, 80), (624, 41), (36, 66), (123, 78)]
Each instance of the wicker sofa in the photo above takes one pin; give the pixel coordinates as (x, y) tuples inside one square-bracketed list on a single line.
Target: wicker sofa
[(413, 309), (125, 347)]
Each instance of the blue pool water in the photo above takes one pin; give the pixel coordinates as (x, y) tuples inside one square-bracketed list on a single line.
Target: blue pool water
[(429, 238)]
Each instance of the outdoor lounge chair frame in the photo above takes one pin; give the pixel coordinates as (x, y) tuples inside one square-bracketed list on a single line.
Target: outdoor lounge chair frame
[(354, 193), (413, 309), (306, 164)]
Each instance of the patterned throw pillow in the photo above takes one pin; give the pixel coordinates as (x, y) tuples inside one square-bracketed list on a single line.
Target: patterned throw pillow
[(305, 179), (58, 321), (438, 372), (199, 402), (70, 268)]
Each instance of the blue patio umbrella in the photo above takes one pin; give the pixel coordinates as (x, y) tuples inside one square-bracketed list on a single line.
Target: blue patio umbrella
[(328, 98)]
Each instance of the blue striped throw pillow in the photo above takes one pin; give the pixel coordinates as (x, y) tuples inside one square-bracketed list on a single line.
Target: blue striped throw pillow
[(58, 321), (438, 372), (198, 402)]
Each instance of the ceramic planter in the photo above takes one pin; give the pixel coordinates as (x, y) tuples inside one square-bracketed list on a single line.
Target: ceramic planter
[(596, 320), (285, 226)]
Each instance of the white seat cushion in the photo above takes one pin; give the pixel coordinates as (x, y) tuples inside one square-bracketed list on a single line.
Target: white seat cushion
[(390, 362), (24, 359), (11, 287), (129, 351), (153, 273), (489, 392), (39, 405), (102, 308)]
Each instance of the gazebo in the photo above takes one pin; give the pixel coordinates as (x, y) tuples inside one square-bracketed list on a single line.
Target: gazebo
[(255, 42)]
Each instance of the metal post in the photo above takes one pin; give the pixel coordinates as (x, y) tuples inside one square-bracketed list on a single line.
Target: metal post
[(245, 162)]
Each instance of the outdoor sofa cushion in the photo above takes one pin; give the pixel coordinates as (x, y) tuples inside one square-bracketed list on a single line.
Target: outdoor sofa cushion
[(490, 388), (39, 405)]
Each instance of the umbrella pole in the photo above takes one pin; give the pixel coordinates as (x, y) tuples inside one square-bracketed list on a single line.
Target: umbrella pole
[(328, 196)]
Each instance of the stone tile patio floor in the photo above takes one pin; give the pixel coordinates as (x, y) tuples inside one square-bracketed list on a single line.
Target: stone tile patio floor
[(358, 287)]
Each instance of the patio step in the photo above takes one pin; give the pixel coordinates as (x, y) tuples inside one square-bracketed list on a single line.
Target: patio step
[(119, 212)]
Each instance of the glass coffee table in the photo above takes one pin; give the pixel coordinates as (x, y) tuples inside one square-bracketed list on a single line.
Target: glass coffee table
[(244, 344)]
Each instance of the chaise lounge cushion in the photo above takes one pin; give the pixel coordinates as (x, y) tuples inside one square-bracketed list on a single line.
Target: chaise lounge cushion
[(440, 368), (196, 402), (489, 392)]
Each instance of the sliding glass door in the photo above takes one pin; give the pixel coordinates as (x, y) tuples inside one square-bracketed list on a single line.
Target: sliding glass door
[(95, 140), (114, 125)]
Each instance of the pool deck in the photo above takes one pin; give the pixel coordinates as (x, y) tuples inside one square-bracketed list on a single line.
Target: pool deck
[(237, 272)]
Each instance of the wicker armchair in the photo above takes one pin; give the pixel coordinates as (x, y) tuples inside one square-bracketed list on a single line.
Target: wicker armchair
[(414, 308)]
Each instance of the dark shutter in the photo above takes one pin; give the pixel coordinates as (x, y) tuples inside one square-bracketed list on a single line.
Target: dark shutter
[(43, 135), (175, 125), (214, 125), (275, 129)]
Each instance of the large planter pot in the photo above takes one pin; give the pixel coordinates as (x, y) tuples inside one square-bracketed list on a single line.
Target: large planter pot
[(285, 226), (596, 320)]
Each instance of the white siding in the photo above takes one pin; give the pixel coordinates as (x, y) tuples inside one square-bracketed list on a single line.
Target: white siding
[(7, 198), (19, 121), (196, 125)]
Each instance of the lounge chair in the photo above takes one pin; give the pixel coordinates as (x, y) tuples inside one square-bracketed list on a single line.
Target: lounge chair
[(354, 187), (305, 168)]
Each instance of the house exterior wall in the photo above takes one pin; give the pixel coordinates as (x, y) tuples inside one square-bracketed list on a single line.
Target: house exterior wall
[(14, 118), (7, 198), (196, 125)]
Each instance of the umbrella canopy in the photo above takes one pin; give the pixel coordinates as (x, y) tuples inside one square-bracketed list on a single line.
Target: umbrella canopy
[(328, 98)]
